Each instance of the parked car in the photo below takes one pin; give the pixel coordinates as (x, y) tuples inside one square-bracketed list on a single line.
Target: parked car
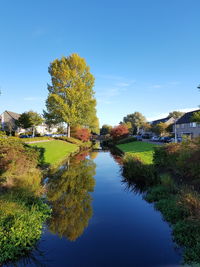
[(24, 136), (138, 137), (155, 139), (167, 139), (146, 136)]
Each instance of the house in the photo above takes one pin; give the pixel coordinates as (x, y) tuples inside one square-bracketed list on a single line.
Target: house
[(167, 120), (186, 127), (8, 123)]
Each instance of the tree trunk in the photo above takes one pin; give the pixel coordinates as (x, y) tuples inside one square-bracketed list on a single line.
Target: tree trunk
[(33, 131), (68, 130), (138, 128)]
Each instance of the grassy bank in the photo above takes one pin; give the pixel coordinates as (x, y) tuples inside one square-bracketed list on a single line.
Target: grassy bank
[(56, 151), (21, 218), (142, 150)]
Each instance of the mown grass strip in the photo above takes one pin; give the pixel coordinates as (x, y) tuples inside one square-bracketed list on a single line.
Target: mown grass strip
[(56, 151), (143, 150)]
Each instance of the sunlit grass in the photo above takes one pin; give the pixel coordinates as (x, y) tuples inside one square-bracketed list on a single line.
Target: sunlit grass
[(143, 150), (56, 151)]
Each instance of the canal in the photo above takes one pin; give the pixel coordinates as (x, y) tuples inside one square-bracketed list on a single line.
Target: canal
[(98, 221)]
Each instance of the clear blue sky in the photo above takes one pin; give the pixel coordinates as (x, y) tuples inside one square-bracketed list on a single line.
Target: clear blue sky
[(144, 54)]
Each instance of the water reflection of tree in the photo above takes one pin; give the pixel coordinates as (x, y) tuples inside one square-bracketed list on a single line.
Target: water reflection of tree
[(68, 192)]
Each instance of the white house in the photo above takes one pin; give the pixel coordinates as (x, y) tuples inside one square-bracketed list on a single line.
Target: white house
[(8, 123)]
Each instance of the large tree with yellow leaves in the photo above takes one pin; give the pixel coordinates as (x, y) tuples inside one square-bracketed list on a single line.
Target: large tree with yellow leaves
[(71, 95)]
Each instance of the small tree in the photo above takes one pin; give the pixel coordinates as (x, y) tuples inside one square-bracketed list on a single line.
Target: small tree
[(29, 119), (159, 128), (119, 132), (137, 120), (105, 129)]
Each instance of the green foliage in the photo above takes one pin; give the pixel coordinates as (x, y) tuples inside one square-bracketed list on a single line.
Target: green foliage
[(196, 117), (21, 219), (157, 193), (71, 95), (70, 188), (171, 209), (187, 234), (2, 134)]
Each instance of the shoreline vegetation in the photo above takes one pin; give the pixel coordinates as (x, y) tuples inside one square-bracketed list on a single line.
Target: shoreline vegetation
[(22, 207), (170, 180)]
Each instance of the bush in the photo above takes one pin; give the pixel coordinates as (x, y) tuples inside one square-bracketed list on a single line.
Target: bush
[(18, 164), (182, 159)]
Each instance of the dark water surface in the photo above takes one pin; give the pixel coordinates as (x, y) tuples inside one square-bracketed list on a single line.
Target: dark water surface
[(98, 222)]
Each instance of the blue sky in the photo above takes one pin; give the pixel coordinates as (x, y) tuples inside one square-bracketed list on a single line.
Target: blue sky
[(145, 55)]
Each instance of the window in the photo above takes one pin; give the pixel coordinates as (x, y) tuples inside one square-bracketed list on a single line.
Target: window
[(182, 125), (193, 124)]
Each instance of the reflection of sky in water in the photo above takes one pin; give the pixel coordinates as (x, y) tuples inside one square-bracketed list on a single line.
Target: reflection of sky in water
[(124, 230)]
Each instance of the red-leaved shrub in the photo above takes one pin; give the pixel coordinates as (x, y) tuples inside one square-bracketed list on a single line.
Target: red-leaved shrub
[(82, 134), (119, 132)]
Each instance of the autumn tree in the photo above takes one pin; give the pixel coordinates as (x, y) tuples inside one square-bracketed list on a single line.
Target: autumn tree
[(119, 131), (136, 119), (29, 119), (71, 94)]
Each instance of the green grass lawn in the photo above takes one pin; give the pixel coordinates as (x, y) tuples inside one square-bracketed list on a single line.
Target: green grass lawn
[(56, 151), (142, 149)]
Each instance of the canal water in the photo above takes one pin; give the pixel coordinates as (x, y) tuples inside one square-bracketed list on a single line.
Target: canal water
[(98, 222)]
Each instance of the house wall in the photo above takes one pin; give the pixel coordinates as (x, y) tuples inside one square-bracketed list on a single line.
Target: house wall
[(192, 129)]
